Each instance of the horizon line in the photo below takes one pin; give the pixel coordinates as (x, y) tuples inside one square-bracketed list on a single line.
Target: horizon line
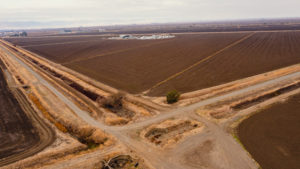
[(140, 24)]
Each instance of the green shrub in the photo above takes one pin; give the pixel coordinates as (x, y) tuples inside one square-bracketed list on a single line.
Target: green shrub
[(172, 96)]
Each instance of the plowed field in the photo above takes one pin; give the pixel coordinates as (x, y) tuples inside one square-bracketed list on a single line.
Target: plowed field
[(260, 53), (272, 136), (136, 66), (71, 49)]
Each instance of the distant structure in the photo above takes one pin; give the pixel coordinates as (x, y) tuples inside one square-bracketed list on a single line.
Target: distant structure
[(13, 34), (65, 31), (145, 37), (163, 36), (102, 30), (126, 37)]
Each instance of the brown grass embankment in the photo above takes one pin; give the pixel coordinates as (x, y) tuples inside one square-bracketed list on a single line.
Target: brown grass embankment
[(68, 123)]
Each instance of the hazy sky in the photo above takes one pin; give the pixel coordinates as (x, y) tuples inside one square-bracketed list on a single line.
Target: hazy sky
[(30, 13)]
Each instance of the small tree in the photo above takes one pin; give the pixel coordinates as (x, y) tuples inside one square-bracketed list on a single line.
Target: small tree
[(172, 96)]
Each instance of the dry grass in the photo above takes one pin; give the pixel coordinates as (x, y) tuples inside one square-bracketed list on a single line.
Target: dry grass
[(114, 101), (115, 121), (39, 105), (170, 132), (83, 131)]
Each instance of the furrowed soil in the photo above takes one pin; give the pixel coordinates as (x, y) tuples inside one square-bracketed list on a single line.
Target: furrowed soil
[(139, 69), (17, 134), (136, 66), (263, 52), (272, 136), (131, 65), (70, 49)]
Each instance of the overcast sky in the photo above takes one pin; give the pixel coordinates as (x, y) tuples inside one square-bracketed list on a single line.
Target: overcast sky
[(31, 13)]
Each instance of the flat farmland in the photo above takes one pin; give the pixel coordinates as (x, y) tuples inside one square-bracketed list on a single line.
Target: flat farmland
[(260, 53), (139, 69), (133, 65), (272, 135), (186, 63), (71, 48)]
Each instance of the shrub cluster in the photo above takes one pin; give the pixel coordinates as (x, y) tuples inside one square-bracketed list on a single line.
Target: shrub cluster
[(172, 96), (114, 101)]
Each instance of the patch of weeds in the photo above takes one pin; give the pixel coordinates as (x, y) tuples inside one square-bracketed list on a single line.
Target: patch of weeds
[(92, 145), (237, 139), (172, 96)]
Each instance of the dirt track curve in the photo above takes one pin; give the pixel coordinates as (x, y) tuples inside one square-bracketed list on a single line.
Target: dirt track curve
[(46, 134)]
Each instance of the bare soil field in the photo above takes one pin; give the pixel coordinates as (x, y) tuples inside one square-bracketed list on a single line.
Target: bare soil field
[(69, 49), (136, 66), (137, 70), (40, 41), (125, 64), (17, 134), (260, 53), (272, 135)]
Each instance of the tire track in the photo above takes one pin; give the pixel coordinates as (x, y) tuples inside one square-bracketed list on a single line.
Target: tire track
[(46, 134)]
